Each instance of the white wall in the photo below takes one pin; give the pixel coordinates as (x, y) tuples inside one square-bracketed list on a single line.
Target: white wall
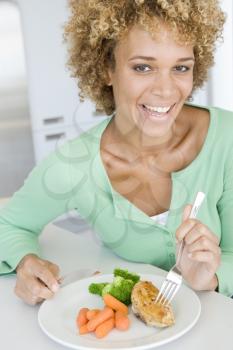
[(221, 87), (12, 60)]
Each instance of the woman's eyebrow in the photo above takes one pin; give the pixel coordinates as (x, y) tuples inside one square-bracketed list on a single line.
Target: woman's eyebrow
[(149, 58), (186, 59), (146, 58)]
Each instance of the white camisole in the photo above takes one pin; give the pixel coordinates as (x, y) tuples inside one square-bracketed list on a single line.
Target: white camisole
[(161, 218)]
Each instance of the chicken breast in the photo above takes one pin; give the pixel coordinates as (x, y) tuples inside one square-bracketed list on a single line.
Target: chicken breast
[(143, 305)]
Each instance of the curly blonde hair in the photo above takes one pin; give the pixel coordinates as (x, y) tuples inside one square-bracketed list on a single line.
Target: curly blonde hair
[(95, 26)]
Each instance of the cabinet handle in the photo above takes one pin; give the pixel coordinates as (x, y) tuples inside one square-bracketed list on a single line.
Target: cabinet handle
[(53, 120), (53, 137)]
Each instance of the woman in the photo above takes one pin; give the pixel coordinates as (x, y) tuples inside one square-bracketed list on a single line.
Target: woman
[(132, 175)]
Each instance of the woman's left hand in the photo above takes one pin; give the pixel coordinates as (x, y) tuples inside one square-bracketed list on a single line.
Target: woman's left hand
[(201, 254)]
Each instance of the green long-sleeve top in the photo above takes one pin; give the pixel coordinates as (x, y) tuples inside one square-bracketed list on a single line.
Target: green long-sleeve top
[(74, 177)]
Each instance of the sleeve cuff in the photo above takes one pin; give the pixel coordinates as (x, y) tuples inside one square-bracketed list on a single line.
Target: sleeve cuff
[(225, 278), (9, 266)]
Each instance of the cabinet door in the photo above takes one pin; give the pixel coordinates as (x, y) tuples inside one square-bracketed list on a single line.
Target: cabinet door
[(55, 109)]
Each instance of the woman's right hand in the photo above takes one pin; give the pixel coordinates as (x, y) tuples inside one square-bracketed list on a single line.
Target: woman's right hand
[(37, 279)]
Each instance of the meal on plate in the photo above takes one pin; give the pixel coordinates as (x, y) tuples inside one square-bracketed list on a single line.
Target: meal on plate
[(143, 305), (126, 288)]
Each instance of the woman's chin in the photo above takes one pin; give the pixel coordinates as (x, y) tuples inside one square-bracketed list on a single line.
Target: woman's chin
[(160, 136), (153, 126)]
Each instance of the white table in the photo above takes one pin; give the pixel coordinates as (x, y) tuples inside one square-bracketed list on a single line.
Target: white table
[(18, 322)]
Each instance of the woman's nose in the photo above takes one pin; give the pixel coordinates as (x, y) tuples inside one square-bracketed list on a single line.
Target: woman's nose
[(163, 85)]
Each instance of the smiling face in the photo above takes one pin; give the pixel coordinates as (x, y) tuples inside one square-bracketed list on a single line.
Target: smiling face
[(151, 81)]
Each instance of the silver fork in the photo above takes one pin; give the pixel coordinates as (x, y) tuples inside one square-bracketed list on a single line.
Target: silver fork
[(173, 279)]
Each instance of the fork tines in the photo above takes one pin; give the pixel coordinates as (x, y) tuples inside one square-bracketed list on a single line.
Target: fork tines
[(167, 292), (169, 287)]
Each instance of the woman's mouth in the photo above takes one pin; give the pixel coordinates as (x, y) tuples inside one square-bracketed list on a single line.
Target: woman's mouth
[(157, 113)]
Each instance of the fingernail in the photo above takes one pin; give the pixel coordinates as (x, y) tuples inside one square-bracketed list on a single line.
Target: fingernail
[(55, 288), (177, 241), (190, 255)]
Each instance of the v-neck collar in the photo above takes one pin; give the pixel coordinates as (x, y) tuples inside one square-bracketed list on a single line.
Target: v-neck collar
[(126, 210), (123, 208)]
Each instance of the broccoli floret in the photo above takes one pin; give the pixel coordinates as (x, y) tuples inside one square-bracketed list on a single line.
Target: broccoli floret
[(97, 288), (120, 288), (127, 275)]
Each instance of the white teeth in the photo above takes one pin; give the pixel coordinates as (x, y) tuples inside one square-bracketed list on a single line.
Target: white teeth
[(158, 109)]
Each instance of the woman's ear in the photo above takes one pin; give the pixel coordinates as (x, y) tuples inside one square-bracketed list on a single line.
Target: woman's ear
[(109, 77)]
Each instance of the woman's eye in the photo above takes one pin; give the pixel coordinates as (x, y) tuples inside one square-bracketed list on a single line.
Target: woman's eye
[(182, 69), (142, 68)]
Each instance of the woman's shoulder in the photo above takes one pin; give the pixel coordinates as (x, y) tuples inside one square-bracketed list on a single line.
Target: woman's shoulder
[(202, 109), (223, 121), (225, 117), (220, 119), (88, 140), (79, 148)]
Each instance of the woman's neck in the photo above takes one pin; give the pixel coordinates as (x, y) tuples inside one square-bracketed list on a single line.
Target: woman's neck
[(173, 154), (143, 144)]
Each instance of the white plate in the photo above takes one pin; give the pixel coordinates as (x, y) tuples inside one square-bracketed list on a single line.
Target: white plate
[(57, 318)]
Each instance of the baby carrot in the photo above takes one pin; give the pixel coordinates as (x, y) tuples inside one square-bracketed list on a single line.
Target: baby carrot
[(115, 304), (104, 328), (102, 316), (83, 329), (81, 318), (121, 321), (92, 313)]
